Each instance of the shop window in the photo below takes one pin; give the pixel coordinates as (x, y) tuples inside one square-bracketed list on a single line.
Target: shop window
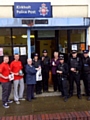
[(5, 36), (7, 50), (19, 36), (20, 40), (78, 40)]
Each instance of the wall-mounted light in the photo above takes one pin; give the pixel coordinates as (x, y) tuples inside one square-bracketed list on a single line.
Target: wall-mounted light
[(25, 36), (12, 37)]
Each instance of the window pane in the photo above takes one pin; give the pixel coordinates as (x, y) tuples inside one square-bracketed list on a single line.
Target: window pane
[(78, 39), (5, 36), (63, 41), (19, 36), (7, 50)]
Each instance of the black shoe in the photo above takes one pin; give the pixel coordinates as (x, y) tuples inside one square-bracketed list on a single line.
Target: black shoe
[(88, 98), (33, 98), (65, 99), (29, 100), (70, 95), (62, 96), (79, 97), (55, 90), (40, 92), (45, 91), (37, 93)]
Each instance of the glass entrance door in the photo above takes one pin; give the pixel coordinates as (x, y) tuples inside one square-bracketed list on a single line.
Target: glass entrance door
[(49, 45)]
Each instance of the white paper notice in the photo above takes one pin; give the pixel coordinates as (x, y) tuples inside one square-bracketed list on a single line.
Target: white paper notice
[(74, 47), (1, 51), (23, 50)]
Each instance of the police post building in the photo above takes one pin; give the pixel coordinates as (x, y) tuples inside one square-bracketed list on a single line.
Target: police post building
[(27, 27)]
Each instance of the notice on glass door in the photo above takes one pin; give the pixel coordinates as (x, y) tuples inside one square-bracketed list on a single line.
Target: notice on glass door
[(22, 50), (1, 51), (16, 50), (74, 47)]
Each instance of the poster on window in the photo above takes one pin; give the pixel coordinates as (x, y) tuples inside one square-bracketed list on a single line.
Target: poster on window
[(1, 51), (74, 47), (32, 48), (22, 50), (16, 50), (82, 46)]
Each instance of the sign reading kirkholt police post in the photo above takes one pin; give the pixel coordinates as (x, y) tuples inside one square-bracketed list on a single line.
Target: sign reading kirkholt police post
[(32, 10)]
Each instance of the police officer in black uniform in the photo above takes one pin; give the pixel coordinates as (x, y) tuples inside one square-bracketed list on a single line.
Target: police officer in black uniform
[(37, 64), (62, 72), (45, 62), (75, 65), (86, 72)]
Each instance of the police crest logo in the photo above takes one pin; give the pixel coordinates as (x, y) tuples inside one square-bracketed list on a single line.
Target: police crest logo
[(43, 10)]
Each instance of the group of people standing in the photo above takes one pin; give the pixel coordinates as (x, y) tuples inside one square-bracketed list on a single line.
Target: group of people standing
[(65, 74), (9, 73), (37, 75)]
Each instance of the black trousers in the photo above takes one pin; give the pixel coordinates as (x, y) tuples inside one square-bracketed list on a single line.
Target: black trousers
[(74, 77), (45, 77), (38, 86), (6, 90), (30, 91), (55, 82), (63, 86), (86, 80)]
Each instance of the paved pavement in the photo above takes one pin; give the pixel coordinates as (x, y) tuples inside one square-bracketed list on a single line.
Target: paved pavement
[(51, 104), (46, 103)]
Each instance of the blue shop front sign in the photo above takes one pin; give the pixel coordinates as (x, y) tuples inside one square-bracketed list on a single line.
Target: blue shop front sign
[(32, 10)]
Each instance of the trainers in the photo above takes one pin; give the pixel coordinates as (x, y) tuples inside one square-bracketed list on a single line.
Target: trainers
[(5, 105), (22, 99), (10, 101), (17, 102)]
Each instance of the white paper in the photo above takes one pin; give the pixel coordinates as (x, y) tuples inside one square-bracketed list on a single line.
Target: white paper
[(16, 50), (63, 50), (11, 77), (23, 50), (39, 75), (1, 51), (74, 47)]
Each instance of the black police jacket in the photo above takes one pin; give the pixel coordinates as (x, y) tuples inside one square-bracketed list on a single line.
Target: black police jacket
[(64, 68), (75, 63), (45, 63), (86, 64), (37, 63)]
